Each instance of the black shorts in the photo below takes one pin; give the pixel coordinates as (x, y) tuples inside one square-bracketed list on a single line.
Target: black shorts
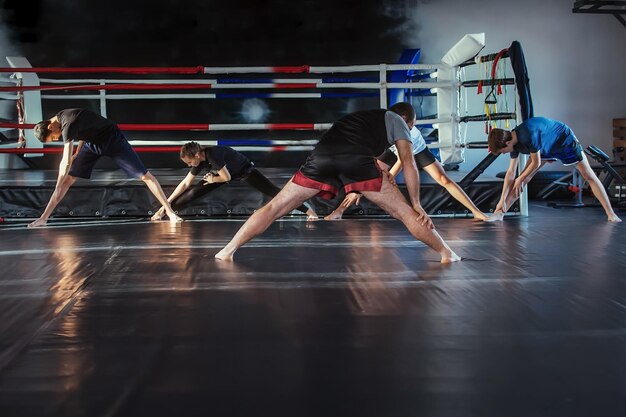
[(328, 173), (422, 159), (117, 148), (570, 154)]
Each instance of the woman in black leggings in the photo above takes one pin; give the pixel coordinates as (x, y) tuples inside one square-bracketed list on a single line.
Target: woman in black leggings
[(215, 160)]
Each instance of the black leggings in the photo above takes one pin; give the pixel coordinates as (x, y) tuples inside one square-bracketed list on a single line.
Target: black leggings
[(254, 179)]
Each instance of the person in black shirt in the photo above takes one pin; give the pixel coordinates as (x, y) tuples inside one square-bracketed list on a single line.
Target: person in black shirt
[(345, 156), (222, 165), (97, 137)]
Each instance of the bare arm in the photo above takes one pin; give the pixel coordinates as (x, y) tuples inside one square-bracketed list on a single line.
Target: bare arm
[(66, 160), (533, 164), (412, 180), (396, 168), (411, 176), (509, 179), (78, 148), (513, 187), (350, 199), (64, 182), (180, 188), (531, 168), (223, 175)]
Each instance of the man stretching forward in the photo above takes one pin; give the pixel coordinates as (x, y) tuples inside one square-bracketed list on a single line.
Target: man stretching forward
[(97, 137), (345, 156), (544, 140)]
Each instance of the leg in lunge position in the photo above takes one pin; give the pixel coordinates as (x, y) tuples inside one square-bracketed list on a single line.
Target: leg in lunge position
[(222, 165), (541, 138), (96, 137), (425, 160), (345, 155), (290, 197)]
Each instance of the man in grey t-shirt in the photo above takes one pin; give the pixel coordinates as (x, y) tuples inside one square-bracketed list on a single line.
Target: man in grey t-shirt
[(345, 157)]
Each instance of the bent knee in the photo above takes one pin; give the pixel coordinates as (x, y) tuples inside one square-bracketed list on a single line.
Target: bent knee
[(587, 177), (400, 210), (587, 174), (443, 180)]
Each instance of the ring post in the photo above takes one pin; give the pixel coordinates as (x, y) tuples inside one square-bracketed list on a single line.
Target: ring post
[(32, 101)]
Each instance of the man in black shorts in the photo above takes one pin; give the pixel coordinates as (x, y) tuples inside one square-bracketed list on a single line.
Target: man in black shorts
[(345, 156), (544, 140), (97, 137), (222, 164), (426, 161)]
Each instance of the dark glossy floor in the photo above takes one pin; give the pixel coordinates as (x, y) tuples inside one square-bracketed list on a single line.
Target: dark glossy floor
[(25, 193), (349, 318)]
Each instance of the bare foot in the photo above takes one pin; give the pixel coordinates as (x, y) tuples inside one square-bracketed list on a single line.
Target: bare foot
[(450, 257), (311, 216), (174, 218), (335, 215), (614, 219), (156, 217), (223, 255), (495, 217), (38, 223), (480, 216)]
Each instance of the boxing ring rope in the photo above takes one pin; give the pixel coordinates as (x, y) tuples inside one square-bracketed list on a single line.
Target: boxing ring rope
[(103, 85), (445, 89), (216, 127), (219, 84), (423, 86), (213, 86), (59, 149), (222, 70)]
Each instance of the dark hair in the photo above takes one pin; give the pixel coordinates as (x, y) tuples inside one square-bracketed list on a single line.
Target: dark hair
[(41, 130), (497, 140), (190, 149), (404, 109)]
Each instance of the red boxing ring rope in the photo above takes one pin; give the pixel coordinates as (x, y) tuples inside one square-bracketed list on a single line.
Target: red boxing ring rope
[(108, 87), (190, 126), (147, 70), (59, 149), (117, 70), (140, 87)]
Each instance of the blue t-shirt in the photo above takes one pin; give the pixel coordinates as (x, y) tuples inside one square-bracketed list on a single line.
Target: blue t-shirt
[(548, 137)]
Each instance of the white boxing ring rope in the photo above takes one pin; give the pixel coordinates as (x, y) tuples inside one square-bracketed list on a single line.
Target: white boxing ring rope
[(300, 83)]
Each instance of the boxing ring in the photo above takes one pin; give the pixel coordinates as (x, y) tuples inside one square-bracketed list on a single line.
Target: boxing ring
[(361, 86)]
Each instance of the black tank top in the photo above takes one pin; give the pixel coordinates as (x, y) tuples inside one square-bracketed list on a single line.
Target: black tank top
[(361, 132)]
